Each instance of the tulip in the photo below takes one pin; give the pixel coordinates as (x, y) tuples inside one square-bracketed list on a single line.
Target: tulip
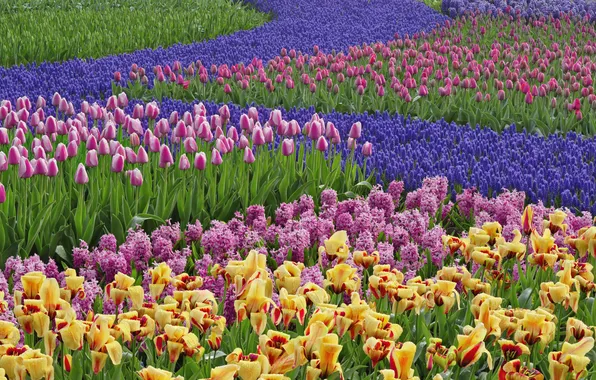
[(165, 156), (322, 144), (367, 149), (243, 142), (377, 349), (117, 163), (2, 193), (14, 156), (216, 157), (25, 168), (336, 246), (52, 168), (190, 145), (571, 361), (249, 156), (287, 147), (327, 363), (152, 373), (342, 278), (91, 159), (200, 161), (183, 163), (258, 137), (102, 345), (81, 176), (138, 112), (136, 178), (3, 162)]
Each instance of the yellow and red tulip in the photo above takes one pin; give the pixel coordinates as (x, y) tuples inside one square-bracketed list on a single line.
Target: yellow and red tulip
[(152, 373), (288, 276), (377, 349), (401, 359), (160, 277), (250, 367), (342, 278), (438, 354), (571, 361), (471, 347), (365, 259), (336, 246)]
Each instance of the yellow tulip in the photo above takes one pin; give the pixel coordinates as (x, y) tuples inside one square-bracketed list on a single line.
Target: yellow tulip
[(377, 349), (437, 354), (577, 329), (401, 358), (442, 293), (49, 293), (454, 243), (512, 350), (37, 365), (290, 306), (186, 282), (513, 370), (405, 298), (32, 282), (224, 372), (559, 293), (254, 303), (122, 288), (33, 316), (377, 325), (514, 248), (152, 373), (178, 339), (9, 333), (342, 277), (250, 366), (160, 277), (245, 269), (544, 243), (280, 352), (314, 294), (11, 361), (102, 344), (365, 259), (74, 286), (555, 222), (493, 229), (487, 258), (526, 220), (571, 361), (336, 246), (584, 242), (453, 274), (470, 346), (536, 328), (288, 276), (325, 362)]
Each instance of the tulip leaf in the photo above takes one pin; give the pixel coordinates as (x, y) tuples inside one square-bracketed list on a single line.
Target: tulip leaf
[(525, 300), (140, 218), (61, 252)]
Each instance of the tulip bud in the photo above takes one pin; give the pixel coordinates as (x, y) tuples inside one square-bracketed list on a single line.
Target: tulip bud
[(41, 167), (14, 156), (136, 178), (117, 163), (91, 159), (122, 100), (154, 144), (52, 168), (367, 149), (72, 149), (529, 98), (4, 139), (25, 168), (200, 161), (233, 134), (249, 156), (3, 162), (165, 157), (322, 144), (287, 147), (216, 157), (56, 99), (258, 137), (183, 163), (81, 176), (2, 194), (268, 133), (275, 118)]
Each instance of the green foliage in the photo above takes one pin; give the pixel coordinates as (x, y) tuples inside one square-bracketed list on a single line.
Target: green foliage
[(56, 30)]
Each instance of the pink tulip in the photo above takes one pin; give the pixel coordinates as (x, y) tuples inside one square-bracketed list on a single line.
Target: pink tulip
[(190, 145), (142, 157), (138, 112), (356, 130), (224, 113), (81, 176), (367, 149), (38, 152), (249, 156), (216, 157), (3, 162), (287, 147), (135, 140), (233, 134), (529, 98), (2, 194), (112, 103), (183, 163), (119, 116), (56, 99), (117, 163), (91, 159), (14, 156), (275, 118), (154, 144), (52, 168), (268, 133), (165, 157), (200, 161), (72, 149), (322, 144), (136, 178), (25, 168), (41, 102), (258, 137), (63, 105), (4, 139), (122, 100), (131, 156), (253, 114), (41, 167), (553, 103), (152, 111)]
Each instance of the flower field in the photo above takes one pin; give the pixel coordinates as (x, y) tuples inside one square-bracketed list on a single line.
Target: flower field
[(276, 189)]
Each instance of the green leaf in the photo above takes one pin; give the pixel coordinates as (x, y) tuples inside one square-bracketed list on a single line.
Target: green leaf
[(140, 218)]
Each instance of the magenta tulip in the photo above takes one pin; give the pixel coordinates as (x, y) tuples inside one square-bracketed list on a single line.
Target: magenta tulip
[(136, 178), (81, 176), (200, 161), (356, 130), (41, 167), (52, 168), (14, 156), (190, 145), (138, 112), (165, 157), (258, 138), (3, 162), (322, 144), (216, 157), (25, 168), (287, 147), (249, 156), (253, 114), (154, 144), (2, 194), (183, 163), (117, 163), (367, 149), (4, 139), (72, 149), (142, 157), (91, 159), (122, 100)]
